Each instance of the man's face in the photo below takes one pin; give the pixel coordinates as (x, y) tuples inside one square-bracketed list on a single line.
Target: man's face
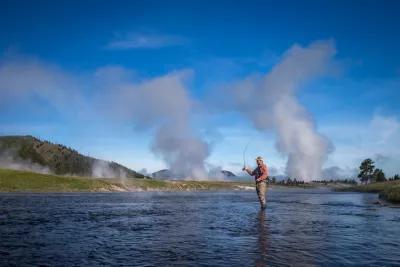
[(259, 162)]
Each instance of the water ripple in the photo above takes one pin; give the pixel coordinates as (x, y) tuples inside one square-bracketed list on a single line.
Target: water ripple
[(304, 228)]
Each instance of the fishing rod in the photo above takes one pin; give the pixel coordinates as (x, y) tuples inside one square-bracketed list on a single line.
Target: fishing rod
[(244, 153)]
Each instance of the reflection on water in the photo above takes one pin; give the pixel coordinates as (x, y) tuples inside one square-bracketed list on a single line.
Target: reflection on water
[(262, 239), (298, 228)]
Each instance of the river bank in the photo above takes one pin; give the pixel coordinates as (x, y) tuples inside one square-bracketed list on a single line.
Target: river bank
[(25, 181), (388, 190)]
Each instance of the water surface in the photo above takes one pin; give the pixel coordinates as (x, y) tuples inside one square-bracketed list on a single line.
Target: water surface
[(298, 228)]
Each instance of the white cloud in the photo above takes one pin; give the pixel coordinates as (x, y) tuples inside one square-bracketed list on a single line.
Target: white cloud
[(383, 128), (336, 172), (378, 138), (143, 40), (22, 79)]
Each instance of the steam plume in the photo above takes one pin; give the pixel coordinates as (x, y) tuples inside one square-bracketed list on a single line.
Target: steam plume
[(270, 102), (163, 103), (102, 169), (10, 160)]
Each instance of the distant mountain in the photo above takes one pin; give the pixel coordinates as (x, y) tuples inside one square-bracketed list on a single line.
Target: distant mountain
[(167, 174), (218, 173), (228, 174), (162, 174), (28, 152)]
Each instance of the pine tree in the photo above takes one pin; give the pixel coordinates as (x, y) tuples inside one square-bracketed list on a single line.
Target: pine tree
[(379, 175), (366, 170)]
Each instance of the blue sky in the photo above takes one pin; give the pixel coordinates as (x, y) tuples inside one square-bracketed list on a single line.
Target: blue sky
[(220, 42)]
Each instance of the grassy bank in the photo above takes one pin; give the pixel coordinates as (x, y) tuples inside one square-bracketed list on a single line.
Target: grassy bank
[(23, 181), (389, 190)]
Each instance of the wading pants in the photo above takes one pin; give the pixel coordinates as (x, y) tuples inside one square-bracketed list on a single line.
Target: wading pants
[(261, 188)]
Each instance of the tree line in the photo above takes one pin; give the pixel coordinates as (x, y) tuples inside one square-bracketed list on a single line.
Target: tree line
[(368, 173)]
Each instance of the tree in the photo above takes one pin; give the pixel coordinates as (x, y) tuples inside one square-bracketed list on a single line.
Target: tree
[(379, 175), (396, 177), (366, 170), (273, 180)]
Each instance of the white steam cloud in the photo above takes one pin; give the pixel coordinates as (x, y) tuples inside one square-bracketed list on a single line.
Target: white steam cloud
[(270, 102), (163, 103), (102, 169), (10, 160)]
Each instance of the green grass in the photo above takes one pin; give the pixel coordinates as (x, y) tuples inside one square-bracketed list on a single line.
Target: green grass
[(24, 181), (392, 194), (182, 185), (389, 190)]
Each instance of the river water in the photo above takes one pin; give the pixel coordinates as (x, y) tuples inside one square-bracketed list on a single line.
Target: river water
[(298, 228)]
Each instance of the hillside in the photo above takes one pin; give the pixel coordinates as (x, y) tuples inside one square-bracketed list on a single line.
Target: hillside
[(30, 153)]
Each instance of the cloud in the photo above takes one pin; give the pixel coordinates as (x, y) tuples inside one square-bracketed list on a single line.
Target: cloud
[(145, 41), (273, 171), (153, 100), (23, 79), (381, 159), (384, 128), (336, 172), (377, 138)]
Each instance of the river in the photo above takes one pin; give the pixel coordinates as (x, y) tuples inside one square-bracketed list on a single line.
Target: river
[(299, 228)]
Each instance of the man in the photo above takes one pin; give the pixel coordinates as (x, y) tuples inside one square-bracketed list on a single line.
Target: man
[(260, 175)]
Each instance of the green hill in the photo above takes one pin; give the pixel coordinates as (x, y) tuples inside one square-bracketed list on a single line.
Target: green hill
[(58, 159)]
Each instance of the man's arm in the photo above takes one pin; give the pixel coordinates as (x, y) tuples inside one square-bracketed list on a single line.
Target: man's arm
[(248, 170)]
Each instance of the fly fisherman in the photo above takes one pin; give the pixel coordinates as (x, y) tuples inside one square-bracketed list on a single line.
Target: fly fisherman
[(260, 175)]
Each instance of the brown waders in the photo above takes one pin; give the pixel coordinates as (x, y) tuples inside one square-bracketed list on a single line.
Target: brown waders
[(261, 188)]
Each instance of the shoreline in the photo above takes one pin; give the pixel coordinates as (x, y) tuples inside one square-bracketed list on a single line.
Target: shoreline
[(15, 181), (388, 191)]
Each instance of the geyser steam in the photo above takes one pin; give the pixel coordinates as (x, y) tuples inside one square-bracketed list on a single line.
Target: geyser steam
[(163, 104), (271, 103)]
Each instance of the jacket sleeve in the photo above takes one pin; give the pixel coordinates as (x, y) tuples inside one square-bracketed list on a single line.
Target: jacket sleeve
[(250, 172), (264, 172)]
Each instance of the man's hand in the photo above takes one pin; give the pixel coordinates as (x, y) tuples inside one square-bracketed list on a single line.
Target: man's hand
[(245, 168)]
